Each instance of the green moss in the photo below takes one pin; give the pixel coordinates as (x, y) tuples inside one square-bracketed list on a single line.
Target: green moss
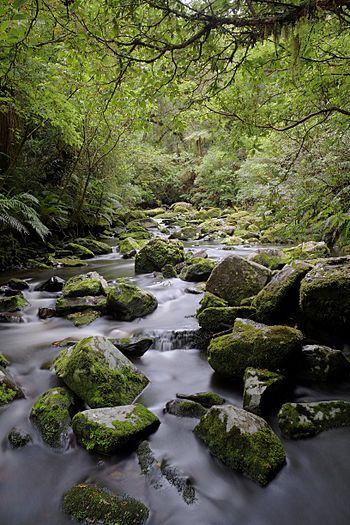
[(274, 262), (70, 262), (4, 362), (186, 408), (157, 253), (86, 369), (209, 300), (7, 394), (70, 305), (128, 244), (96, 505), (219, 319), (83, 318), (18, 284), (13, 303), (206, 399), (80, 251), (90, 284), (18, 439), (169, 271), (98, 247), (258, 454), (95, 430), (198, 270), (127, 302), (51, 415)]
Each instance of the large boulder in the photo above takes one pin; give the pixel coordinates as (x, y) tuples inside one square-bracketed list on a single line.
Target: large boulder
[(106, 430), (51, 413), (70, 305), (302, 420), (321, 363), (243, 441), (278, 301), (262, 388), (87, 284), (157, 253), (98, 247), (99, 373), (92, 504), (255, 345), (325, 301), (126, 302), (235, 278), (9, 390)]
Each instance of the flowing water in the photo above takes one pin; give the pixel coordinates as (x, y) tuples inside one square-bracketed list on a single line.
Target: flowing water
[(312, 489)]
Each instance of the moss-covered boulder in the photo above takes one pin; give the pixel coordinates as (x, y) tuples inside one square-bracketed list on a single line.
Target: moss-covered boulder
[(325, 301), (243, 441), (13, 303), (70, 305), (9, 390), (254, 345), (51, 414), (198, 270), (278, 301), (92, 504), (97, 247), (86, 284), (157, 253), (18, 438), (18, 284), (308, 250), (235, 278), (186, 233), (262, 389), (302, 420), (128, 245), (99, 373), (321, 363), (126, 302), (216, 320), (169, 271), (79, 251), (210, 300), (106, 430), (271, 258), (206, 399), (185, 408)]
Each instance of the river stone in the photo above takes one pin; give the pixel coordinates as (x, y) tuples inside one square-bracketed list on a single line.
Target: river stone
[(46, 313), (308, 250), (157, 253), (235, 278), (87, 284), (70, 305), (261, 389), (54, 284), (271, 258), (18, 438), (209, 300), (84, 318), (325, 301), (92, 504), (79, 251), (216, 320), (185, 408), (98, 247), (243, 441), (51, 415), (9, 390), (4, 362), (206, 399), (106, 430), (134, 347), (12, 304), (278, 301), (18, 284), (99, 373), (126, 302), (128, 245), (255, 345), (198, 270), (302, 420), (321, 363)]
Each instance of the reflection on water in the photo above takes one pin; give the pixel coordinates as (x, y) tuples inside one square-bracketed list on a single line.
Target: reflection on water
[(311, 490)]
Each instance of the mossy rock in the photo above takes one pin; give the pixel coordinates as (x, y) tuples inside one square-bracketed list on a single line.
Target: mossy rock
[(185, 408), (70, 305), (325, 301), (128, 244), (93, 504), (13, 303), (169, 271), (242, 441), (9, 390), (97, 247), (126, 302), (18, 284), (198, 270), (308, 250), (53, 284), (216, 320), (254, 345), (206, 399), (278, 301), (186, 233), (79, 251), (51, 414), (99, 373), (235, 278), (138, 234), (209, 300), (84, 318), (321, 364), (4, 362), (302, 420), (273, 259), (155, 211), (88, 284), (262, 389), (18, 438), (157, 253), (69, 262), (106, 430)]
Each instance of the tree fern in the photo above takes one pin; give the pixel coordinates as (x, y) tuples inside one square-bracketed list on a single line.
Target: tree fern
[(17, 213)]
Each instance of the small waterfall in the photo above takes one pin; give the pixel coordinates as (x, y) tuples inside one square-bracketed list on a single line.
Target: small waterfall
[(167, 340)]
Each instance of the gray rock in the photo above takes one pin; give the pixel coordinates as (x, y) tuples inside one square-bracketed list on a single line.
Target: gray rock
[(262, 389), (187, 408), (54, 284), (321, 363), (136, 347)]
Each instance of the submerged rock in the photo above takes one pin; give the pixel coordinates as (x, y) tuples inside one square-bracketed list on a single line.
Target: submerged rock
[(321, 363), (126, 302), (93, 504), (243, 441), (87, 284), (186, 408), (106, 430), (9, 390), (253, 345), (157, 253), (235, 278), (51, 415), (206, 399), (262, 389), (99, 373), (54, 284), (302, 420)]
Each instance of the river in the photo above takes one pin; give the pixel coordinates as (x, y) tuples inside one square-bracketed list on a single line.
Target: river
[(312, 489)]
